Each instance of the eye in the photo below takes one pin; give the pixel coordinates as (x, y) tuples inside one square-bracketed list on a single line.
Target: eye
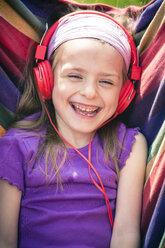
[(106, 82), (74, 76)]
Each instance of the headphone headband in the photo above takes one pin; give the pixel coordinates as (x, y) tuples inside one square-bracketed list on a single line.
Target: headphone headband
[(42, 48), (43, 74)]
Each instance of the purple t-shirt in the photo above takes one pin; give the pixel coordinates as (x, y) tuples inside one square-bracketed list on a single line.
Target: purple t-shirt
[(74, 215)]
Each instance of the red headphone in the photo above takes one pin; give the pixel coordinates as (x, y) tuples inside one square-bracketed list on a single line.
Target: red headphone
[(44, 76), (44, 80)]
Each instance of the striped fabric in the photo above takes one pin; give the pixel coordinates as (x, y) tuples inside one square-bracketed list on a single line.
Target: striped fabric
[(18, 23)]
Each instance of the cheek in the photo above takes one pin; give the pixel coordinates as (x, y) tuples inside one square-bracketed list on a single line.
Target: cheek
[(112, 98), (111, 104), (60, 94), (56, 96), (58, 89)]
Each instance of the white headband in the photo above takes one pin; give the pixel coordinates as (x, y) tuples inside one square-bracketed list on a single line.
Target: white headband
[(91, 26)]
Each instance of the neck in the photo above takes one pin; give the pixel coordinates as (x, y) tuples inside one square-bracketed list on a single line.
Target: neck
[(77, 140)]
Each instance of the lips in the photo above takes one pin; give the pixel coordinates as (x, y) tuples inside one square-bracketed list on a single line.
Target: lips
[(86, 110)]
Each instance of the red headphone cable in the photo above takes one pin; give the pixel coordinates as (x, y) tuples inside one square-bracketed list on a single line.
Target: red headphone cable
[(101, 187)]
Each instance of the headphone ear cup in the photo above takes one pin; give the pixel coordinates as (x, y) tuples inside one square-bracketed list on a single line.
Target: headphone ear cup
[(126, 96), (44, 78)]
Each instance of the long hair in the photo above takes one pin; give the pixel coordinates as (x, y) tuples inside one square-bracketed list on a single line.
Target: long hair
[(31, 103)]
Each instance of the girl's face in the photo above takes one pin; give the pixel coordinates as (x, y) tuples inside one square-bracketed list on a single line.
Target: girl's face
[(87, 83)]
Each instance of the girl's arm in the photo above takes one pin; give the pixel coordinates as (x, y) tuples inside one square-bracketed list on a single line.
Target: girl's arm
[(126, 232), (10, 198)]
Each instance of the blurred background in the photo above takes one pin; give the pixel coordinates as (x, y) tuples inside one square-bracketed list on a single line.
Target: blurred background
[(117, 3)]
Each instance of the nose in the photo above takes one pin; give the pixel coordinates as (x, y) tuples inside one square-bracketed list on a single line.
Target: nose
[(89, 89)]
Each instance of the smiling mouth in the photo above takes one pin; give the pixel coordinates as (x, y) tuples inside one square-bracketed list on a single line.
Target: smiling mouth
[(86, 110)]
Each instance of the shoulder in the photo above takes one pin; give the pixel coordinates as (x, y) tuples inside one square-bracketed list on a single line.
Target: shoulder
[(139, 149), (20, 135), (12, 136), (15, 133), (130, 141), (18, 148), (126, 136), (124, 131), (12, 147), (139, 145), (136, 160), (20, 142), (140, 142)]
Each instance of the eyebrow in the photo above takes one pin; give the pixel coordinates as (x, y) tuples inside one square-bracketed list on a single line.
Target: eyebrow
[(74, 68), (109, 74), (104, 74)]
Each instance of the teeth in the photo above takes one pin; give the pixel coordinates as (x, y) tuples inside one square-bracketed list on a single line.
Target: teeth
[(83, 110), (88, 109)]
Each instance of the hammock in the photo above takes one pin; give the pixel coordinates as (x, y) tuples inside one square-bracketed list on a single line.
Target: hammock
[(18, 23)]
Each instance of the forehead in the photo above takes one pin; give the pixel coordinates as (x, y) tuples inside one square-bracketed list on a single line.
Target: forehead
[(86, 47)]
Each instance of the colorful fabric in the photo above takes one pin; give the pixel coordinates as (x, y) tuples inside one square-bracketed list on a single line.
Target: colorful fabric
[(147, 110), (74, 216)]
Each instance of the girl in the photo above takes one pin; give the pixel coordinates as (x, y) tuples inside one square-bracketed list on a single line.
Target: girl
[(60, 185)]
